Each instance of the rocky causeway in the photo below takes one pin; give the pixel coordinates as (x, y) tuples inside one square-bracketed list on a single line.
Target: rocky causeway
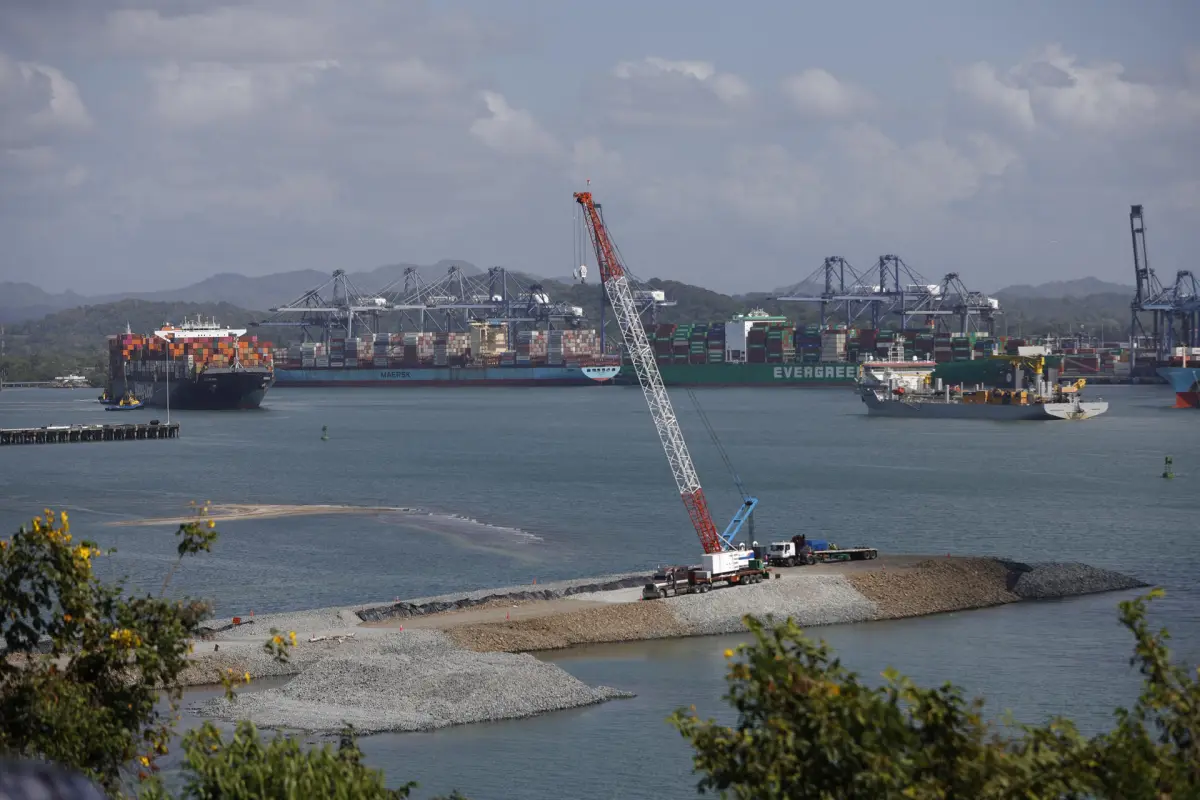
[(425, 663)]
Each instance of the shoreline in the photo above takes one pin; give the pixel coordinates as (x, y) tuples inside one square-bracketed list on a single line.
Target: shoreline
[(426, 663)]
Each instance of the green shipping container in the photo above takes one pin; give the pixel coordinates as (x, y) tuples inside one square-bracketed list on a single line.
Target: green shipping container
[(813, 375)]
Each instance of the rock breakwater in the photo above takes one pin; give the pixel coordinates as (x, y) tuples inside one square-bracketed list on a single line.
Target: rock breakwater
[(431, 662)]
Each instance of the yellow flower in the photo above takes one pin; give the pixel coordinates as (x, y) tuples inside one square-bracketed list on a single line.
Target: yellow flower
[(66, 617), (145, 761), (125, 638), (729, 654), (292, 636), (211, 524), (247, 677), (277, 640)]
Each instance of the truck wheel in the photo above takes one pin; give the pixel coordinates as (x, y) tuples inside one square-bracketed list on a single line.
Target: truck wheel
[(662, 593), (810, 560), (874, 554), (789, 562)]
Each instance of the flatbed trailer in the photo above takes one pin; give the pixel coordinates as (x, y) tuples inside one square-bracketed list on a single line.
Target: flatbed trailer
[(699, 580), (849, 554)]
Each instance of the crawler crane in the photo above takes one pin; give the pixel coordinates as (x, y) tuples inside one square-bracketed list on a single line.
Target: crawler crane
[(620, 296)]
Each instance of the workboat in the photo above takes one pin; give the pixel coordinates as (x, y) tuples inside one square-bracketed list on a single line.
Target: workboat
[(1028, 393), (126, 403), (105, 398)]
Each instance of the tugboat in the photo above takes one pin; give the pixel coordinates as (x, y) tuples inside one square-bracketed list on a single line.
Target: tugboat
[(126, 403)]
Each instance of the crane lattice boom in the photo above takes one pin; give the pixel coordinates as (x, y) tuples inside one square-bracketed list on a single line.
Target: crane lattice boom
[(620, 296)]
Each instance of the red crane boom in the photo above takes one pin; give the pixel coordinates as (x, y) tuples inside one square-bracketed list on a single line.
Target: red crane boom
[(620, 296)]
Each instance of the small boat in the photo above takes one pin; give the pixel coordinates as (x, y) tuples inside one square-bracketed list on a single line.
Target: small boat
[(126, 403), (105, 398)]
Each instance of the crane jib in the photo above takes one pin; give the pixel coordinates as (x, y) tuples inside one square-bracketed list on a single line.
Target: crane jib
[(620, 297)]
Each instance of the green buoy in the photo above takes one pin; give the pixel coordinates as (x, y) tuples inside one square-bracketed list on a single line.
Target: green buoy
[(1167, 472), (324, 433)]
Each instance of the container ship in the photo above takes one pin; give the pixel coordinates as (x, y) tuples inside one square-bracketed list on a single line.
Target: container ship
[(1185, 381), (754, 349), (479, 357), (197, 365)]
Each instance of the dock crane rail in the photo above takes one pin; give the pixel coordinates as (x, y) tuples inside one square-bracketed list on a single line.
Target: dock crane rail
[(620, 296)]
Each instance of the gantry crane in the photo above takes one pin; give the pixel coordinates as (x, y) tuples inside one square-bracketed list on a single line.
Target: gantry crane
[(620, 297)]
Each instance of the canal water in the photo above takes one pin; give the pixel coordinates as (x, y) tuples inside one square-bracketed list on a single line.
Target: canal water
[(516, 484)]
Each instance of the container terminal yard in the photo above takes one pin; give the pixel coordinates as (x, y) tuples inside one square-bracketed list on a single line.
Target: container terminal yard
[(488, 331)]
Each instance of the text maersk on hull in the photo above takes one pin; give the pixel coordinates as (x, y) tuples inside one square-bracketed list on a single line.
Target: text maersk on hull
[(845, 372)]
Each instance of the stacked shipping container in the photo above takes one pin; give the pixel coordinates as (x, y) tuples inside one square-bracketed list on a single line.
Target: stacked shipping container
[(771, 342), (153, 355)]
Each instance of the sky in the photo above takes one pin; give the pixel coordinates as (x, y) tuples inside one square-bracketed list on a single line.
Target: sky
[(147, 144)]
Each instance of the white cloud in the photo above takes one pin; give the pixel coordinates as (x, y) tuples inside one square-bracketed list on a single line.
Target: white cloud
[(414, 76), (983, 85), (1054, 89), (657, 91), (510, 130), (202, 93), (222, 33), (394, 126), (36, 102), (817, 93), (862, 175)]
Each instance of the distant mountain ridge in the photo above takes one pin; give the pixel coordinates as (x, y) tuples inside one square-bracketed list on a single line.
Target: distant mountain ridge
[(21, 302), (1080, 287), (24, 301)]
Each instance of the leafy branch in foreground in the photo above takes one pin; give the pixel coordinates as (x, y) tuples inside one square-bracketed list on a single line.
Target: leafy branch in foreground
[(809, 728), (85, 664)]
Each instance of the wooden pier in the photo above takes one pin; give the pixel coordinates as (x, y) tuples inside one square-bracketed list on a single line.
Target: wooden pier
[(64, 434)]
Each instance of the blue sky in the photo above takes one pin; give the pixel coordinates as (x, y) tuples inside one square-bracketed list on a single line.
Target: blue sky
[(148, 145)]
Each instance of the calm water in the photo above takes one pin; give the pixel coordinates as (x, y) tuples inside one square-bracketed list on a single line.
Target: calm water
[(517, 484)]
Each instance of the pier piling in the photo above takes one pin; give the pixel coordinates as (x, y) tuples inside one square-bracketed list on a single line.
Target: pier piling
[(65, 434)]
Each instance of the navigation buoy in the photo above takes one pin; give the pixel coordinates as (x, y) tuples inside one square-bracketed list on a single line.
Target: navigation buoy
[(1168, 473), (324, 433)]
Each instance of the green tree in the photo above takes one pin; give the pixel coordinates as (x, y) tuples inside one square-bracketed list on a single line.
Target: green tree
[(809, 728), (85, 663)]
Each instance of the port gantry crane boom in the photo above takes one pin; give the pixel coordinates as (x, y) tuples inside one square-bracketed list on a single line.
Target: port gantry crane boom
[(620, 297)]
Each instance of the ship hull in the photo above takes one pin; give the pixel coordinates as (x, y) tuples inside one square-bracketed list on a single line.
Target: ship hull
[(939, 409), (435, 376), (1186, 383), (214, 389), (824, 375)]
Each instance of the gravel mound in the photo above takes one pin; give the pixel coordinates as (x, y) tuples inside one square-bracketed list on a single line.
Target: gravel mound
[(304, 623), (618, 622), (547, 591), (412, 681), (1069, 579), (937, 585), (808, 599)]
